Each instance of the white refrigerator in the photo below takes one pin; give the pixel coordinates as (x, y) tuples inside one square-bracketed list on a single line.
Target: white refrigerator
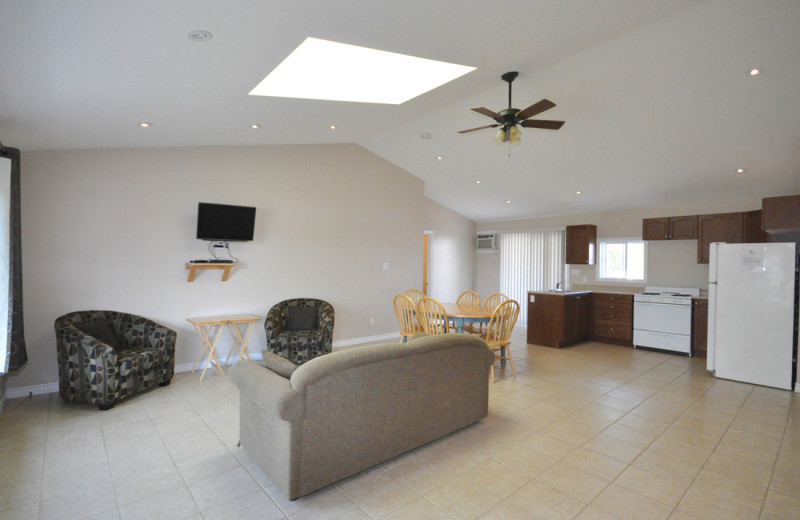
[(752, 313)]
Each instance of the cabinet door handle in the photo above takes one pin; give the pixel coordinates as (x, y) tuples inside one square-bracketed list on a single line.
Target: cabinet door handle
[(612, 315)]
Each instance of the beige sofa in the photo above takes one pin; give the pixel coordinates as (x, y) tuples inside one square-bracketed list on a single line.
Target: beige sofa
[(347, 411)]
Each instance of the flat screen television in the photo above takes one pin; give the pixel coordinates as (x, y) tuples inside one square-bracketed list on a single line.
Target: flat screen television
[(224, 222)]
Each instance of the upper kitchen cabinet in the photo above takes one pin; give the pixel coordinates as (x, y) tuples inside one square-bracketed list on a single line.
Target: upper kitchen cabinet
[(719, 227), (753, 232), (581, 244), (670, 228), (781, 214)]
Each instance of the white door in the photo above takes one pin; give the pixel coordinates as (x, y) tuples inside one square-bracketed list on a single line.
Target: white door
[(755, 313)]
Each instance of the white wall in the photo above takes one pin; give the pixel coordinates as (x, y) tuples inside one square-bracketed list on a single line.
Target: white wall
[(452, 267), (111, 229), (669, 263)]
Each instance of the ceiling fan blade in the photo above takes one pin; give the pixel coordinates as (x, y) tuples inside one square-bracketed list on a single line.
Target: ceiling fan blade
[(542, 123), (478, 128), (536, 108), (486, 112)]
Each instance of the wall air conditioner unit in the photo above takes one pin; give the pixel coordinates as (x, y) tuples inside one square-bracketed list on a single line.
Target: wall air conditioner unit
[(486, 242)]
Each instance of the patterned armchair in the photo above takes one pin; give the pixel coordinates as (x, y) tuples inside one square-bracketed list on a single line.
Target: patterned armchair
[(107, 356), (300, 329)]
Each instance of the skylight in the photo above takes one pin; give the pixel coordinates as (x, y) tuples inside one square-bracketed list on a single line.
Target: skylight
[(321, 69)]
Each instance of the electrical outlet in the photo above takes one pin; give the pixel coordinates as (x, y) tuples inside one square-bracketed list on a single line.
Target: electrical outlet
[(372, 321)]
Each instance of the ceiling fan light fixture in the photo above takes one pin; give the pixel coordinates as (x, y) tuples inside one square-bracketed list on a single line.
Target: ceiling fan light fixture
[(515, 134), (500, 135)]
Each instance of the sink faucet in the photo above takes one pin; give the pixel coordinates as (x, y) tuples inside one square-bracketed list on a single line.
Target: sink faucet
[(558, 286)]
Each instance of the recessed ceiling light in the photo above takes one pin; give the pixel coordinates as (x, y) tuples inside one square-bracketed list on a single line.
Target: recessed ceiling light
[(477, 182), (321, 69), (740, 170), (755, 71), (332, 127), (438, 157), (578, 192), (199, 35), (145, 125), (255, 126), (508, 202)]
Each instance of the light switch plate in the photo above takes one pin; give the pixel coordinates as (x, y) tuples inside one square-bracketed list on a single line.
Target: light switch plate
[(532, 298)]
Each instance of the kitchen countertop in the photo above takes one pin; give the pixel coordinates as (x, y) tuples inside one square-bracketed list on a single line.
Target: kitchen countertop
[(560, 293)]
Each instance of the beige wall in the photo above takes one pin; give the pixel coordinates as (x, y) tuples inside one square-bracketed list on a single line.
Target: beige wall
[(452, 265), (669, 263), (111, 229)]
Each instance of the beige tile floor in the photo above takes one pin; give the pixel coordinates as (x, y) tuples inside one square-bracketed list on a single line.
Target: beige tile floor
[(589, 432)]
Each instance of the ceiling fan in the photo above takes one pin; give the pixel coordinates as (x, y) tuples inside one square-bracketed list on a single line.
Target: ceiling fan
[(509, 118)]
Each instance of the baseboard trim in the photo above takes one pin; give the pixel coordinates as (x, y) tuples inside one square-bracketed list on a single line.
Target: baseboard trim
[(25, 391), (49, 388), (367, 339)]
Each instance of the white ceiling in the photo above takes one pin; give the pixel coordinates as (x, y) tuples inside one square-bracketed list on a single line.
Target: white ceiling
[(658, 106)]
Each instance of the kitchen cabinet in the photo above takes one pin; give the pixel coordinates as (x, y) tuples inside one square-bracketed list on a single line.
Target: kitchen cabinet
[(612, 318), (753, 233), (718, 227), (781, 214), (670, 228), (558, 319), (699, 327), (581, 244)]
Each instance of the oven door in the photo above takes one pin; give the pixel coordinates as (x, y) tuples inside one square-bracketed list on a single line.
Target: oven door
[(662, 317)]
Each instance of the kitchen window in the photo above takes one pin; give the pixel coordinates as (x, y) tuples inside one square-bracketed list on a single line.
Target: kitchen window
[(622, 260)]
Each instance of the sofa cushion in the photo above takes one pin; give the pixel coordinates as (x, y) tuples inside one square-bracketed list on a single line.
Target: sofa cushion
[(279, 365), (302, 318), (101, 331)]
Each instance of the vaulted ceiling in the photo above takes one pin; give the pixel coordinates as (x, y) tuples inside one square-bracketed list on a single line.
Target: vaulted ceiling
[(658, 104)]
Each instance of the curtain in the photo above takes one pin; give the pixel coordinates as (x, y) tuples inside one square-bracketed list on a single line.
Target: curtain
[(15, 354), (530, 261)]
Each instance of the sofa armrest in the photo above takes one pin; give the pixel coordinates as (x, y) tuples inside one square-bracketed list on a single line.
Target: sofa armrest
[(270, 391)]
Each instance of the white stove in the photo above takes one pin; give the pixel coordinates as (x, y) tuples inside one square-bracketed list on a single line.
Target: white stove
[(662, 318)]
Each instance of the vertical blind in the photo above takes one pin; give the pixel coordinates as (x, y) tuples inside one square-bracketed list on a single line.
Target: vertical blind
[(530, 261)]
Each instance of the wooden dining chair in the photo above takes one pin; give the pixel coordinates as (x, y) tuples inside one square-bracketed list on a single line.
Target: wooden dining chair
[(468, 298), (491, 302), (415, 295), (498, 334), (406, 313), (432, 316)]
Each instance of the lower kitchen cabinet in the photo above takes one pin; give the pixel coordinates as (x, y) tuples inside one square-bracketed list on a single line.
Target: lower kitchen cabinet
[(699, 327), (558, 320), (612, 318)]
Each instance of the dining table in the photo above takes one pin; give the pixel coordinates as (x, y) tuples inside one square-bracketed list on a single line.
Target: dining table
[(463, 313)]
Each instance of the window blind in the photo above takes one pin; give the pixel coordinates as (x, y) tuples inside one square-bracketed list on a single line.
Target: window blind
[(530, 261)]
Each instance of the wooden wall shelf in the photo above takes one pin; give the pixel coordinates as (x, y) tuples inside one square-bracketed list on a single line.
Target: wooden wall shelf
[(194, 267)]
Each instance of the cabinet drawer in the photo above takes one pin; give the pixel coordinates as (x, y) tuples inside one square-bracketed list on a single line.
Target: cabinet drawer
[(625, 316), (612, 329), (612, 298), (626, 308)]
